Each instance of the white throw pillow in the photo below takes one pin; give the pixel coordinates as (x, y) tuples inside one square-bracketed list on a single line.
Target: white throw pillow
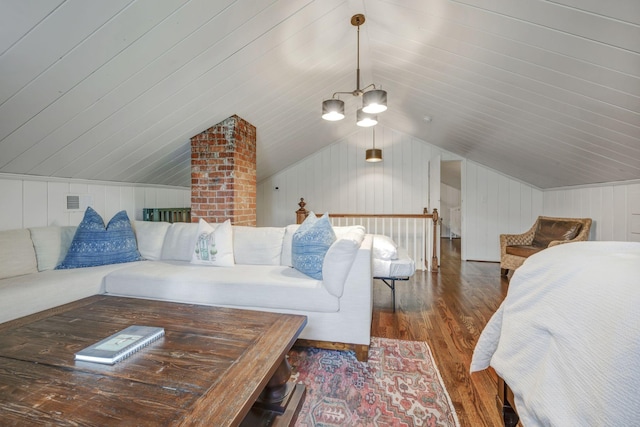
[(214, 246), (179, 241), (384, 248), (287, 242), (257, 245), (339, 259), (51, 244), (17, 256), (150, 236), (343, 230)]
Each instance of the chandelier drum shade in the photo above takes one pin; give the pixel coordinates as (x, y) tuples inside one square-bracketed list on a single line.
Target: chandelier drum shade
[(365, 119), (374, 100), (333, 109)]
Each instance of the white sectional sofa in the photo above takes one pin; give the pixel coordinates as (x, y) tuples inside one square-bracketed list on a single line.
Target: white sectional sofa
[(338, 308)]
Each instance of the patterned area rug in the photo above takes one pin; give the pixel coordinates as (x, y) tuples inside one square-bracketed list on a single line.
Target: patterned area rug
[(399, 386)]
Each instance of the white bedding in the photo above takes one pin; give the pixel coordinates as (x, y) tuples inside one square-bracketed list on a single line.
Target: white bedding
[(566, 339), (403, 266)]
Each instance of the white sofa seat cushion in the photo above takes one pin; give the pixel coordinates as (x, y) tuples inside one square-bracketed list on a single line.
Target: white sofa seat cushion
[(257, 245), (35, 292), (277, 287), (17, 256)]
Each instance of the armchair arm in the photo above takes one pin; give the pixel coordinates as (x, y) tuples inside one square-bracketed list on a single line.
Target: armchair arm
[(525, 238)]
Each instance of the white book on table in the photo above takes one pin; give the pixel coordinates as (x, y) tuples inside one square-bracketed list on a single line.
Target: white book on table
[(120, 345)]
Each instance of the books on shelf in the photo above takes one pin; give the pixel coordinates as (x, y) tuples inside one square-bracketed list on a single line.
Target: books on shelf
[(120, 345)]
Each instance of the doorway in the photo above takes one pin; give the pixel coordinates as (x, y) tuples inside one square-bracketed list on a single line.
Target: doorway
[(451, 204)]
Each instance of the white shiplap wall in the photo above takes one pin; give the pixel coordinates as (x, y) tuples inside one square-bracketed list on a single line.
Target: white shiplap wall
[(614, 208), (338, 180), (493, 204), (34, 202)]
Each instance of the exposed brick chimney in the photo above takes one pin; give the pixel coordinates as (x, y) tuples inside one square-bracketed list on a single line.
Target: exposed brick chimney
[(223, 173)]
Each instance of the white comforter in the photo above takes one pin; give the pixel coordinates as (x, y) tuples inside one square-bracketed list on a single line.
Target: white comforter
[(566, 339)]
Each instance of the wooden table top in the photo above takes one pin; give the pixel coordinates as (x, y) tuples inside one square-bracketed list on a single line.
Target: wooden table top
[(207, 370)]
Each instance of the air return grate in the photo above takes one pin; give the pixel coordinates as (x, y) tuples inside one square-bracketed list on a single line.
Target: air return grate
[(78, 202)]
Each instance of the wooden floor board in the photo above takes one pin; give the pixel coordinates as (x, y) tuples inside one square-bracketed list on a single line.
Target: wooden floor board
[(448, 310)]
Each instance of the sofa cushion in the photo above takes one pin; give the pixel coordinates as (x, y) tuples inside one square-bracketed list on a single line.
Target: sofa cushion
[(257, 286), (523, 250), (214, 245), (17, 256), (24, 295), (310, 244), (94, 244), (51, 244), (339, 259), (179, 242), (287, 242), (150, 236), (257, 245), (550, 230)]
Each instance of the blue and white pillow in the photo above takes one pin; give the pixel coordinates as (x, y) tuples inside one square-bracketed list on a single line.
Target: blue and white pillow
[(94, 244), (310, 245)]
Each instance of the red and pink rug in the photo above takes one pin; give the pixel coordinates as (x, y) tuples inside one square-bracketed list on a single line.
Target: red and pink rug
[(399, 386)]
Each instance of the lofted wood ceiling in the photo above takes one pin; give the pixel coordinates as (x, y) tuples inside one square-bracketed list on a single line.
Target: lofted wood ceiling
[(547, 92)]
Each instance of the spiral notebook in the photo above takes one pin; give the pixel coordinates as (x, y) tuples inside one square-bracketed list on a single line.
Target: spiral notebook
[(120, 345)]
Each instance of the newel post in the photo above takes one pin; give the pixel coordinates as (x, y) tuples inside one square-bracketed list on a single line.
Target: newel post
[(434, 257), (301, 213)]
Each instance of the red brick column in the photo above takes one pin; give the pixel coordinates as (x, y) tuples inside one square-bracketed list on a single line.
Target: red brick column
[(223, 173)]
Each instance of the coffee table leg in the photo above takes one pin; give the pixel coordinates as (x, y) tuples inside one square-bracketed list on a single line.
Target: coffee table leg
[(279, 402), (276, 389)]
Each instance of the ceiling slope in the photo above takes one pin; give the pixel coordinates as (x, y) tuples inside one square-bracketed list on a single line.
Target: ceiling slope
[(545, 91)]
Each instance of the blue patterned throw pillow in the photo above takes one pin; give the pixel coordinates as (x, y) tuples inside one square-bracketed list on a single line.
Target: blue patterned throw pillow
[(94, 244), (310, 244)]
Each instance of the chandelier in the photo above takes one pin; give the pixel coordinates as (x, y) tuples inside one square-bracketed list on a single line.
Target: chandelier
[(374, 100)]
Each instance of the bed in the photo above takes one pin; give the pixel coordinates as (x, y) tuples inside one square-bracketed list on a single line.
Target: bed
[(566, 339), (391, 263)]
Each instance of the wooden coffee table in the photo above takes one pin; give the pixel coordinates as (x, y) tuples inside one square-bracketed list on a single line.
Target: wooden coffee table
[(209, 369)]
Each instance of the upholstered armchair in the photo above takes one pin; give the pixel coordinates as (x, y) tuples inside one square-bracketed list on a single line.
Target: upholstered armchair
[(546, 232)]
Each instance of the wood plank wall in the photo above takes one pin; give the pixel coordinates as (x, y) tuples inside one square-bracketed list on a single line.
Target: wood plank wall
[(35, 202), (337, 179), (614, 208)]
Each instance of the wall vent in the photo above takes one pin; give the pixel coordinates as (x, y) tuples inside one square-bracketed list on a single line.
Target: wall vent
[(78, 202)]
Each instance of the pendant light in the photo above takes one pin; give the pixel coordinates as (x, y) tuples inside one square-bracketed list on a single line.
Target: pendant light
[(374, 100), (374, 154)]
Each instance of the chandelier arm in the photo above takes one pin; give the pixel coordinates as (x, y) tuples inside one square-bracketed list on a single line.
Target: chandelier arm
[(345, 93), (367, 87)]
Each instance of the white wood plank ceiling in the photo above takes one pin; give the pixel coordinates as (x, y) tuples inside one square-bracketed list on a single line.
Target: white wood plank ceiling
[(545, 91)]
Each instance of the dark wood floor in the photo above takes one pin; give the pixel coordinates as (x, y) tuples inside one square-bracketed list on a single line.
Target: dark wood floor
[(448, 310)]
